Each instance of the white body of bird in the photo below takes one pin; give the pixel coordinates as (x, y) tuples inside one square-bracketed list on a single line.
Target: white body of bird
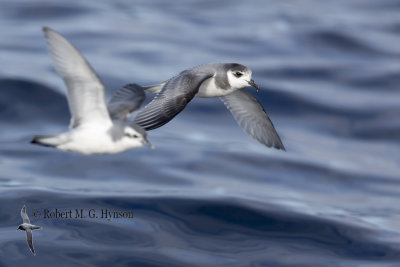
[(94, 128)]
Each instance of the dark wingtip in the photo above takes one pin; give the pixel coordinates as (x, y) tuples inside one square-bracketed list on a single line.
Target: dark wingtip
[(277, 146), (45, 29), (36, 140), (281, 147)]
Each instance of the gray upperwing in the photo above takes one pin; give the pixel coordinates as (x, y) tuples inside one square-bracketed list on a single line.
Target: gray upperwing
[(24, 216), (172, 99), (30, 241), (85, 92), (126, 100), (252, 117)]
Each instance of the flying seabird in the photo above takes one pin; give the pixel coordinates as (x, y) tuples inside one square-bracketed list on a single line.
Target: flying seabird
[(223, 80), (95, 128), (27, 227)]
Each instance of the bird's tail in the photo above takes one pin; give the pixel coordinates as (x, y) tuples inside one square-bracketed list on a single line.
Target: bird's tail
[(35, 227), (51, 140)]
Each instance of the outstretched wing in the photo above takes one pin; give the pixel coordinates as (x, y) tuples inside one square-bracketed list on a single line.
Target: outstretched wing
[(24, 216), (86, 98), (251, 116), (126, 100), (29, 240), (172, 99)]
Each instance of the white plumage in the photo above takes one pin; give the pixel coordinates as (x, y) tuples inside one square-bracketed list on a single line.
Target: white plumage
[(91, 129)]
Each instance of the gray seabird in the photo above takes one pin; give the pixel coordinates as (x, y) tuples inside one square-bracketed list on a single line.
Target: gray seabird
[(223, 80), (95, 128), (28, 227)]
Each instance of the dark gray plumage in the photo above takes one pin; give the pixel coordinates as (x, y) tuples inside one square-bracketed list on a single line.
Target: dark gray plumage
[(126, 100), (174, 96), (224, 80), (253, 119)]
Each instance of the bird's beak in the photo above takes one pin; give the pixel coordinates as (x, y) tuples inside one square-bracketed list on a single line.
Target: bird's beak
[(147, 143), (253, 84)]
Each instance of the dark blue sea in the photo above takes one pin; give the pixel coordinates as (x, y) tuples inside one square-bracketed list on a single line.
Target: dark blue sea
[(209, 194)]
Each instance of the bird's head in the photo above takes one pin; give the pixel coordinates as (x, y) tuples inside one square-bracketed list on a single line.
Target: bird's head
[(135, 136), (239, 76), (20, 227)]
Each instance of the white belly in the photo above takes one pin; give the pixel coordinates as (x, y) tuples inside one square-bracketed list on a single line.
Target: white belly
[(91, 141)]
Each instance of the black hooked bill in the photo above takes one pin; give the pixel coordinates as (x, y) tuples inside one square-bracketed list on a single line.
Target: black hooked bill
[(252, 83)]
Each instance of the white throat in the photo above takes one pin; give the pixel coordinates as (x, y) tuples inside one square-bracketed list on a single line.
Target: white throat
[(239, 82)]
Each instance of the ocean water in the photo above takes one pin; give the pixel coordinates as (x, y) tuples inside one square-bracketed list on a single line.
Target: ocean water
[(209, 195)]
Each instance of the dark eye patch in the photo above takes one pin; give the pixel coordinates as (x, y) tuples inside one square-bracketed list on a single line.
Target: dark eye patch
[(131, 135), (238, 74)]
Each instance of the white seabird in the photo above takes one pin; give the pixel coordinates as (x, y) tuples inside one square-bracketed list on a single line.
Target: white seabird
[(28, 228), (94, 128)]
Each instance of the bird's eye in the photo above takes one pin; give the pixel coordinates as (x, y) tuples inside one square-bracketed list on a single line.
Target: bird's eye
[(238, 74), (131, 135)]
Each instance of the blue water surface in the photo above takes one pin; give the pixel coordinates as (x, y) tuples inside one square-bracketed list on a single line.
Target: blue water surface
[(210, 195)]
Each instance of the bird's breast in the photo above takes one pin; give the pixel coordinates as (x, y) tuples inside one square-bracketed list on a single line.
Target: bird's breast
[(209, 89)]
